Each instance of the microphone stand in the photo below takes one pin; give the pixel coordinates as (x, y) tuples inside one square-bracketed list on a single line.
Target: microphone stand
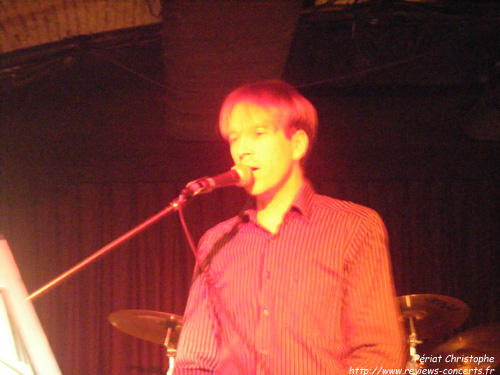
[(175, 205)]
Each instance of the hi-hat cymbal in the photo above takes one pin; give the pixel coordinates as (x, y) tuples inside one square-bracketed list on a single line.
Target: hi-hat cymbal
[(432, 314), (153, 326), (478, 347)]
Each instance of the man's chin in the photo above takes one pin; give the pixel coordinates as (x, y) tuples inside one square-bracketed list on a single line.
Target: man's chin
[(260, 194)]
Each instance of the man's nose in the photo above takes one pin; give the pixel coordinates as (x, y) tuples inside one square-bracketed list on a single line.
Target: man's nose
[(244, 147)]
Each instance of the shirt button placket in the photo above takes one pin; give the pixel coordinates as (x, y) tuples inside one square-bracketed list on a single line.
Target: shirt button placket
[(266, 312)]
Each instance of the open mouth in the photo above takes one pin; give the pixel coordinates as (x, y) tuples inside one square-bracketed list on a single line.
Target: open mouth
[(254, 169)]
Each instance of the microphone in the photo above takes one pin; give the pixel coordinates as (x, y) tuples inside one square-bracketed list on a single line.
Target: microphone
[(239, 175)]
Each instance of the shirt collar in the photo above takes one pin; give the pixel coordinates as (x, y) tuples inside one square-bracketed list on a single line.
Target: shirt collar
[(303, 201), (302, 204)]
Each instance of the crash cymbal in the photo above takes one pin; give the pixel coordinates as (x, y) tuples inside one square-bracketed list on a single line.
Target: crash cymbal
[(478, 347), (432, 314), (153, 326)]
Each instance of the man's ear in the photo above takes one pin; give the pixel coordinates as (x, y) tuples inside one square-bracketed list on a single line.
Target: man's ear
[(300, 144)]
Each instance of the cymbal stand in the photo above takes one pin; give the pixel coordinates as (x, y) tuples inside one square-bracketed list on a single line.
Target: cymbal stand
[(170, 352), (412, 343)]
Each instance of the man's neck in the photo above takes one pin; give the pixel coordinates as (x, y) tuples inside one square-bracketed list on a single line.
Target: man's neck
[(271, 211)]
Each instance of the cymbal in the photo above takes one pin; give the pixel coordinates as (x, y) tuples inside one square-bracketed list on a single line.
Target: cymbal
[(153, 326), (432, 314), (477, 342)]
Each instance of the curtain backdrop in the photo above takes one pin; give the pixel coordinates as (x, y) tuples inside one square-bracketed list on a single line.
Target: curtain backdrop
[(443, 241)]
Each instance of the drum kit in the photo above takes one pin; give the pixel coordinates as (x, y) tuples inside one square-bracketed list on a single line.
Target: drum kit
[(431, 318), (426, 318), (153, 326)]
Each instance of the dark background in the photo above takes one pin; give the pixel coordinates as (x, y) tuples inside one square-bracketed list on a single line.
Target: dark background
[(90, 147)]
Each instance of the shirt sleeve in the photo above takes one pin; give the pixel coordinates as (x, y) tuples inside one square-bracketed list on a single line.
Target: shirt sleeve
[(197, 348), (370, 315)]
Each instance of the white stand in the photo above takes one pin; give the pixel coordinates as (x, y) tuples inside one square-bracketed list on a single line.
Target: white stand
[(24, 346)]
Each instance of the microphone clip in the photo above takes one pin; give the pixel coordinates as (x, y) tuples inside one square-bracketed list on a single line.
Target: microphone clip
[(196, 187)]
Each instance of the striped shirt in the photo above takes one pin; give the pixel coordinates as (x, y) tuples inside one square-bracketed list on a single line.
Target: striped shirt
[(315, 298)]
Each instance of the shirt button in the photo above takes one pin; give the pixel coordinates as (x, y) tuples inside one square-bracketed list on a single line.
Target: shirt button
[(264, 352), (265, 312)]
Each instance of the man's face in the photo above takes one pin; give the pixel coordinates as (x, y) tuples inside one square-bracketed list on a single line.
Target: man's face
[(256, 140)]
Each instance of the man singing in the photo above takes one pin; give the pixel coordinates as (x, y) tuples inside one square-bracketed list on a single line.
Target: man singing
[(298, 283)]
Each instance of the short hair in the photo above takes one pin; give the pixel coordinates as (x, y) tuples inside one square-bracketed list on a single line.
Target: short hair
[(294, 110)]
